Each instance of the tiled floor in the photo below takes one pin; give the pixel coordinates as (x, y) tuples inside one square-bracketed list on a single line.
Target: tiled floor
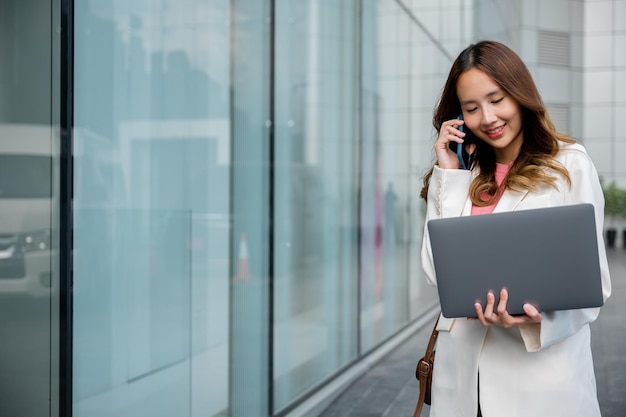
[(389, 389)]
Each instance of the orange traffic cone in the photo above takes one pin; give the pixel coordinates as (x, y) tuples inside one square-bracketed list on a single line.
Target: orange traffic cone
[(243, 273)]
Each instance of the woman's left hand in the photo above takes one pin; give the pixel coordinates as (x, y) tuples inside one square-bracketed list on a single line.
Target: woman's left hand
[(500, 316)]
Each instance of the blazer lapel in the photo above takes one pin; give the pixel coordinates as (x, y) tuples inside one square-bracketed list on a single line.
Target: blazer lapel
[(510, 200)]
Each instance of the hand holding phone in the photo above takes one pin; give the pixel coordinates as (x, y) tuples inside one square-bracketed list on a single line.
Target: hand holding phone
[(460, 149), (461, 153)]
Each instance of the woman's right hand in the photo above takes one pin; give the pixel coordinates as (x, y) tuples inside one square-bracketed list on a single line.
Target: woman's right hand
[(449, 132)]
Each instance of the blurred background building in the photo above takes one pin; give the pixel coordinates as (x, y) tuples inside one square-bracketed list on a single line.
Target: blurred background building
[(211, 207)]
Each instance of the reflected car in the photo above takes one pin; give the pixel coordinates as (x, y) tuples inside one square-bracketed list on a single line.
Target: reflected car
[(28, 248)]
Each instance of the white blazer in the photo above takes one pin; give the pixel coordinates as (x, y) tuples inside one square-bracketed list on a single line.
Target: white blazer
[(542, 370)]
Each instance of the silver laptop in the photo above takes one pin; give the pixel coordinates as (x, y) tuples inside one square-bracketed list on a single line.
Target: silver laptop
[(547, 257)]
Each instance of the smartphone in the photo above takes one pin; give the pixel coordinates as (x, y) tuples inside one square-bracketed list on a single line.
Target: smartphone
[(461, 153)]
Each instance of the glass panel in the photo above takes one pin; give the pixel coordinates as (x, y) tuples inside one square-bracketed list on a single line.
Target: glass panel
[(429, 70), (450, 21), (151, 208), (403, 72), (384, 172), (250, 247), (315, 197), (29, 209)]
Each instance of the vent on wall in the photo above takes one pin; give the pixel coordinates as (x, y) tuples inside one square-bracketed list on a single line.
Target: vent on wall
[(554, 48), (559, 113)]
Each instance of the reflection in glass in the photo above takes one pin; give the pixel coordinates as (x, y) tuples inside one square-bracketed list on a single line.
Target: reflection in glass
[(151, 208), (28, 253), (20, 176), (315, 250), (28, 210), (403, 70)]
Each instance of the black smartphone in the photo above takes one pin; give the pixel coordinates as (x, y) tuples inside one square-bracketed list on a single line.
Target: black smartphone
[(459, 149)]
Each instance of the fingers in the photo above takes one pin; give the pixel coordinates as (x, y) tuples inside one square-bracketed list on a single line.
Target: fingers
[(448, 133), (499, 314), (480, 316), (532, 313), (504, 298), (486, 317), (506, 320), (489, 314)]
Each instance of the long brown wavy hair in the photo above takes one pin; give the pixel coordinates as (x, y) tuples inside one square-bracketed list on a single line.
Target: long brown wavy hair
[(536, 163)]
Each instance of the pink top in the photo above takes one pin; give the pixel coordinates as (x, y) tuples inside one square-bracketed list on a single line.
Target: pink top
[(501, 171)]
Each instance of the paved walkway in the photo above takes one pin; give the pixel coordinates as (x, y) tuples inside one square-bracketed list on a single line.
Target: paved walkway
[(390, 389)]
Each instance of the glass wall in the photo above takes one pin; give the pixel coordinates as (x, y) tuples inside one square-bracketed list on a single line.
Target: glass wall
[(403, 70), (315, 193), (246, 215), (251, 189), (152, 213), (29, 208)]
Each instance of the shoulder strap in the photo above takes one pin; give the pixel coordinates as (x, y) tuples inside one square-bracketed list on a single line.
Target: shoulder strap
[(430, 349), (424, 368)]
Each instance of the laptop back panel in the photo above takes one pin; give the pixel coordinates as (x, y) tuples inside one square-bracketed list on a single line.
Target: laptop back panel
[(547, 257)]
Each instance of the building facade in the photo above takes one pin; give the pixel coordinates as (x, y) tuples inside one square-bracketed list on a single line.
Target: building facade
[(211, 207)]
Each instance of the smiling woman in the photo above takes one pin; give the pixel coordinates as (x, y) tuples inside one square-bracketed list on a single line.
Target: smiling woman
[(519, 162), (492, 114)]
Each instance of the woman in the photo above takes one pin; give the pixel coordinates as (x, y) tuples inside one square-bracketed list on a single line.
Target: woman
[(500, 365)]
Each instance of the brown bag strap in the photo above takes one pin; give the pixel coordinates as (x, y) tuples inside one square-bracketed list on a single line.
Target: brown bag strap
[(424, 368), (430, 349)]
